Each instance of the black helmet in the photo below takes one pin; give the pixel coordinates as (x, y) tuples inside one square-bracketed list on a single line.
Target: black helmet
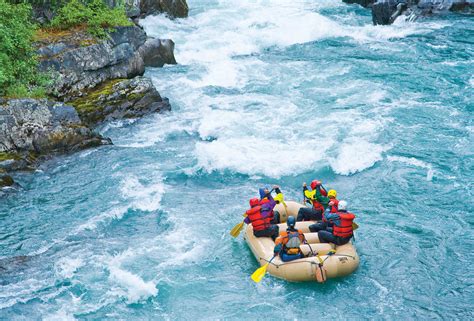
[(291, 221)]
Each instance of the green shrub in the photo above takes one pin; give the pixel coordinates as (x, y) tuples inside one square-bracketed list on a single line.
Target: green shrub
[(18, 73), (95, 15)]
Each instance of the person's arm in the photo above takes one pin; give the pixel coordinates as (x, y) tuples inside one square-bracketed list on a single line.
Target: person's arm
[(333, 218), (278, 245), (247, 220)]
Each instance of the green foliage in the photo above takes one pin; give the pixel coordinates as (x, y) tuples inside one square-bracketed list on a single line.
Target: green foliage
[(96, 15), (18, 74)]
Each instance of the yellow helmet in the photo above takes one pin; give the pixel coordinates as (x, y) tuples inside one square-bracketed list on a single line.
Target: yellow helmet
[(332, 193)]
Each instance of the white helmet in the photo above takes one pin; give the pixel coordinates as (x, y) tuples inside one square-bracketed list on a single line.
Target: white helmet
[(342, 205)]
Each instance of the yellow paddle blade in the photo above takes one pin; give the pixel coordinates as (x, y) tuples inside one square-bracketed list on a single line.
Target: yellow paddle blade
[(236, 229), (259, 273), (354, 226)]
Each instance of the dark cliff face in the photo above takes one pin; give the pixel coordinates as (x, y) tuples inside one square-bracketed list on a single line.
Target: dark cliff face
[(76, 67)]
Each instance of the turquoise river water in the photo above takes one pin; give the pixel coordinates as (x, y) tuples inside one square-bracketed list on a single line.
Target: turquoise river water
[(264, 93)]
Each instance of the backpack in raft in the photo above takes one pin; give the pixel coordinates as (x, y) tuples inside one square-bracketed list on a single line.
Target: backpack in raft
[(292, 247)]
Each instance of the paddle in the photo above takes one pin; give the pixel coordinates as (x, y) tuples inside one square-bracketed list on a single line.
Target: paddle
[(238, 228), (259, 273)]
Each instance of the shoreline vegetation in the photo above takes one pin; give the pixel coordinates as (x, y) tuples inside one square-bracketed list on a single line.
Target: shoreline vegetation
[(18, 32)]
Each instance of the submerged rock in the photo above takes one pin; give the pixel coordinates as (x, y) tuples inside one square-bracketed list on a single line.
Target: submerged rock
[(5, 179), (77, 65), (122, 98), (30, 128)]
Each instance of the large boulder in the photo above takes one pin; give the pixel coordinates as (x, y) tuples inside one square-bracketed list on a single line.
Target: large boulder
[(118, 99), (30, 128), (78, 62), (173, 8), (384, 12), (157, 52)]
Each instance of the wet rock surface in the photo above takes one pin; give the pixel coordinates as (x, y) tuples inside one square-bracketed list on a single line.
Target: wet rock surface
[(31, 128), (385, 12), (119, 99), (125, 54)]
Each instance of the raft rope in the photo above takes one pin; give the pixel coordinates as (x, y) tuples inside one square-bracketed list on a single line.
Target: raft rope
[(321, 261)]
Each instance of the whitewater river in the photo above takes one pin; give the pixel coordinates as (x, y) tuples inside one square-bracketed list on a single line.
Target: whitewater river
[(264, 93)]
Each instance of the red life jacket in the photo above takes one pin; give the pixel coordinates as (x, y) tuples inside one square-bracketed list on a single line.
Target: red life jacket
[(345, 225), (333, 208), (259, 223), (318, 206)]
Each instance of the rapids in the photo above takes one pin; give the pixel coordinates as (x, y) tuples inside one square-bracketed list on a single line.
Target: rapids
[(264, 93)]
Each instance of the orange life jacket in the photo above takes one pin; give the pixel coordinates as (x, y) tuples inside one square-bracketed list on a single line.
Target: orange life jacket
[(259, 223), (344, 228), (288, 238)]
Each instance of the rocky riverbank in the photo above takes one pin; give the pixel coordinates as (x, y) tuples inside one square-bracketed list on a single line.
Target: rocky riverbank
[(92, 81)]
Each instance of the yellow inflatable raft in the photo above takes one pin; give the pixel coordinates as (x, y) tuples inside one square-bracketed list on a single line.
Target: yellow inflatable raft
[(325, 260)]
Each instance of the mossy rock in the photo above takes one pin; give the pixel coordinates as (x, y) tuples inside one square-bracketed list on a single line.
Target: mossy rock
[(9, 156), (6, 180), (88, 102)]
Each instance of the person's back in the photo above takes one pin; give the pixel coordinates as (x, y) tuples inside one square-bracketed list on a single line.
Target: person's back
[(262, 226), (287, 245), (342, 230), (268, 203), (319, 201)]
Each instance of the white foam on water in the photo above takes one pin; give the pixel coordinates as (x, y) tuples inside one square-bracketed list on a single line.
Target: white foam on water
[(356, 155), (248, 155), (414, 162), (20, 292), (134, 287), (142, 196), (153, 131), (138, 195), (93, 222), (263, 134), (66, 267), (61, 315)]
